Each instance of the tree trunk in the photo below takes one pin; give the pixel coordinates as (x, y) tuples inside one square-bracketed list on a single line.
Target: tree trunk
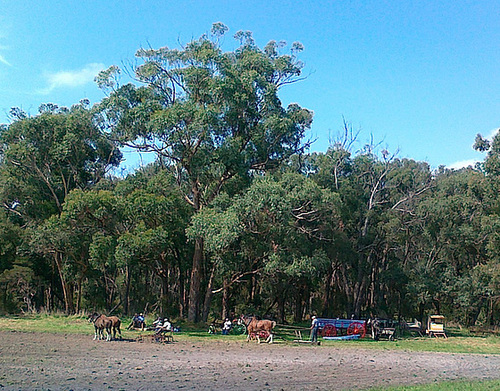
[(225, 299), (182, 293), (79, 295), (195, 282), (299, 296), (421, 313), (126, 303), (253, 289), (66, 288), (48, 299), (281, 309), (208, 296), (327, 292)]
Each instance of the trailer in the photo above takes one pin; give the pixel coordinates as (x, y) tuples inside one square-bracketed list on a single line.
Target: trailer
[(341, 328)]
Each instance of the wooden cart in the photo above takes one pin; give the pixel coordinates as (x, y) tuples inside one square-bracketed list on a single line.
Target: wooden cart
[(384, 328), (435, 326)]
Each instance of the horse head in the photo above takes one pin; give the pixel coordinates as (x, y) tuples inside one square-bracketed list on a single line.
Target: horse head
[(246, 319), (92, 318)]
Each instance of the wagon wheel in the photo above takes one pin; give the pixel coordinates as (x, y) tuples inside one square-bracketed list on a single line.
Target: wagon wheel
[(329, 331), (356, 328), (264, 334)]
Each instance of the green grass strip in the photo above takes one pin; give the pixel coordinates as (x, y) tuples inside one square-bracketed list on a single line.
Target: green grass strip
[(448, 386)]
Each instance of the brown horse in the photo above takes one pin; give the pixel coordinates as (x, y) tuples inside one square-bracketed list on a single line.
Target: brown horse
[(115, 325), (259, 328), (101, 323)]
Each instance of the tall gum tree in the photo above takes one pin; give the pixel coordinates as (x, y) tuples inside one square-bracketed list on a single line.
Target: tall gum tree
[(210, 115), (42, 159), (46, 156)]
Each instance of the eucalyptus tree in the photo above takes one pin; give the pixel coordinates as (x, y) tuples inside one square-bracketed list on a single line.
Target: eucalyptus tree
[(212, 117), (491, 167), (10, 239), (153, 241), (379, 192), (269, 242), (46, 156), (456, 225), (79, 240), (492, 162)]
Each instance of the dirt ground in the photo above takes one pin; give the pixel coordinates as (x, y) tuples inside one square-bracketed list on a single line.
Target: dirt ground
[(30, 361)]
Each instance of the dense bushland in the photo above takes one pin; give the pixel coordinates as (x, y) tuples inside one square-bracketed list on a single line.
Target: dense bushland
[(235, 215)]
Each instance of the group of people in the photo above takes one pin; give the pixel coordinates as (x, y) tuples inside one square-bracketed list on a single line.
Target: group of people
[(160, 325)]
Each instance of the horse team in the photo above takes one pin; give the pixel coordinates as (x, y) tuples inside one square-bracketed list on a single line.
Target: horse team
[(108, 324), (256, 328)]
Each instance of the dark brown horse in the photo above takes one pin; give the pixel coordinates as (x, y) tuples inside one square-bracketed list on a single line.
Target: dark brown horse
[(115, 325), (259, 328)]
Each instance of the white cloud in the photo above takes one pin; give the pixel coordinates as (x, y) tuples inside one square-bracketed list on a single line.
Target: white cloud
[(3, 47), (71, 79), (4, 61), (492, 133), (463, 164)]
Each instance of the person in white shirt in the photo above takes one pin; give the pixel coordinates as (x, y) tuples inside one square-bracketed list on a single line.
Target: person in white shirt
[(226, 327)]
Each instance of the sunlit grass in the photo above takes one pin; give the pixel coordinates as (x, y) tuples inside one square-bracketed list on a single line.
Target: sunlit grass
[(483, 345), (43, 323)]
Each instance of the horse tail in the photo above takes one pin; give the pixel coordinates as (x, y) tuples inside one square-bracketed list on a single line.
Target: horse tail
[(273, 324)]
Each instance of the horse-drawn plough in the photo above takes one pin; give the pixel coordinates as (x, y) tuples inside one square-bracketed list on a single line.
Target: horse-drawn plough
[(166, 337)]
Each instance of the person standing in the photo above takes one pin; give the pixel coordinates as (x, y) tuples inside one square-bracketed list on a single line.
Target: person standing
[(314, 329), (226, 327)]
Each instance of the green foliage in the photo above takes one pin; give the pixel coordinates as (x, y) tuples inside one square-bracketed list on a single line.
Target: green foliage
[(18, 287), (10, 239), (492, 162), (45, 157), (233, 210)]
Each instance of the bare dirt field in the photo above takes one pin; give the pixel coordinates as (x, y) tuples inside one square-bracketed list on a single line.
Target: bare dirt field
[(35, 361)]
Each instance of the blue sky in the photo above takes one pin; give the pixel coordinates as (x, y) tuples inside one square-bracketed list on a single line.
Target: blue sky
[(419, 76)]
